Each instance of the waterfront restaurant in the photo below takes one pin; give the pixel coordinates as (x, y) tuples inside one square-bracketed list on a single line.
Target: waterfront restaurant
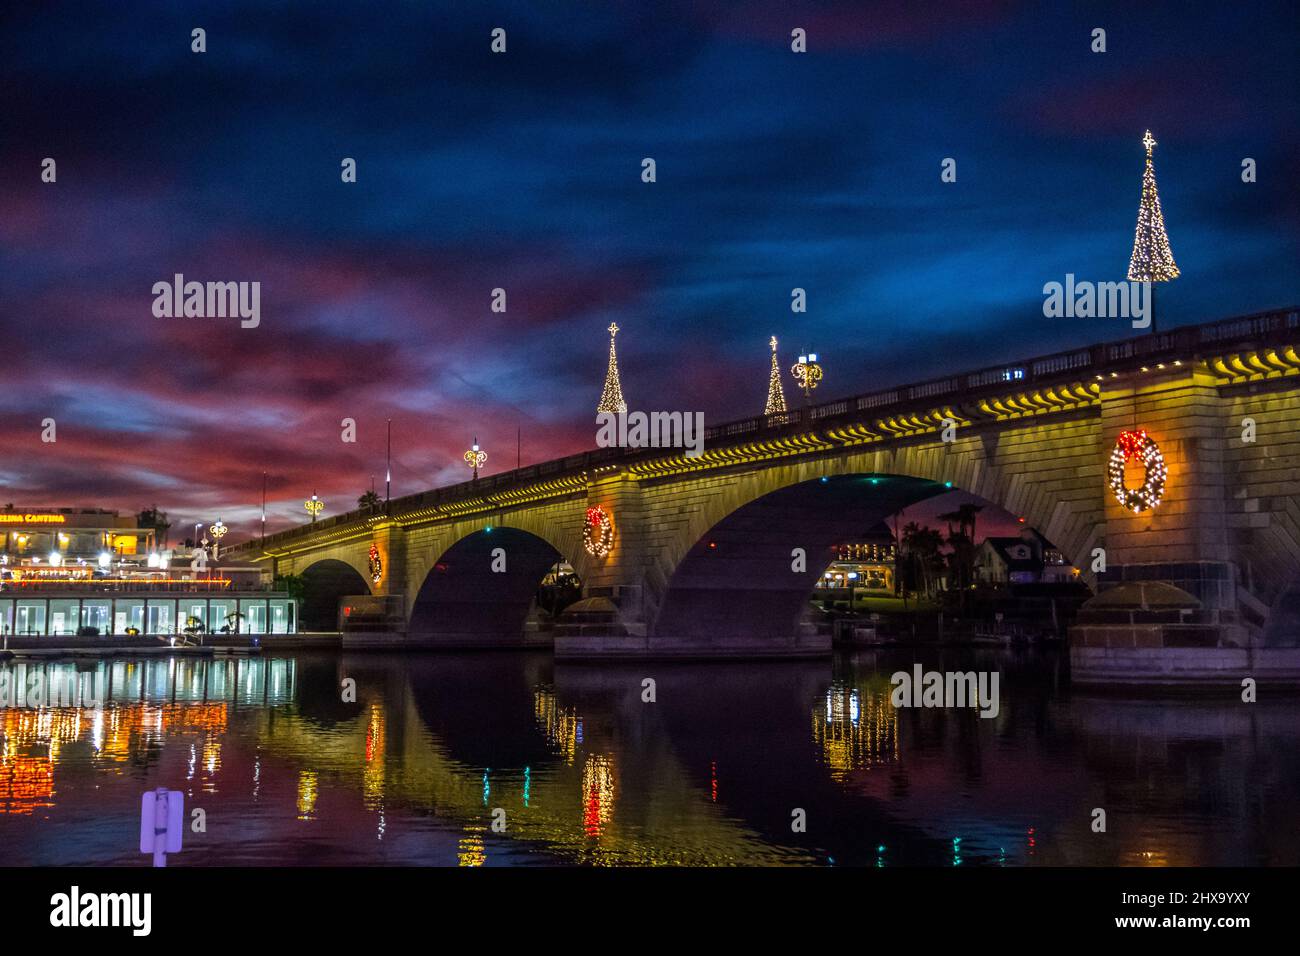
[(145, 606), (861, 569), (76, 535), (88, 573)]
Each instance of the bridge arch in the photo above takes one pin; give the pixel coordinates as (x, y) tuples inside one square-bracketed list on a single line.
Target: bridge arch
[(732, 566), (326, 581), (481, 590)]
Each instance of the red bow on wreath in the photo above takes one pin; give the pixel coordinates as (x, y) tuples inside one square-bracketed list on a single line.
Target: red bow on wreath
[(1132, 442)]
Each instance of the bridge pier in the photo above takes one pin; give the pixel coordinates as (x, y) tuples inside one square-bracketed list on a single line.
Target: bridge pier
[(1169, 607)]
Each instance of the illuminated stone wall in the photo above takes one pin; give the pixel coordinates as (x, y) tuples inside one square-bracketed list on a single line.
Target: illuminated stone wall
[(1227, 529)]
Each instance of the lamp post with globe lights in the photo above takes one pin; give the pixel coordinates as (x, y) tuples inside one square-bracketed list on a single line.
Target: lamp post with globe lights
[(218, 532), (475, 457), (807, 373)]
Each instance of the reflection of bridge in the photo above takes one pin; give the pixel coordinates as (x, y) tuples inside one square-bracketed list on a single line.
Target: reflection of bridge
[(703, 555), (576, 799)]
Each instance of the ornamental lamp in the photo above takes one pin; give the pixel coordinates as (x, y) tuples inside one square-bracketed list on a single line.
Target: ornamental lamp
[(475, 457), (218, 532)]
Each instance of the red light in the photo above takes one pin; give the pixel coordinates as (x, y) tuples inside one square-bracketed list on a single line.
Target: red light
[(713, 546)]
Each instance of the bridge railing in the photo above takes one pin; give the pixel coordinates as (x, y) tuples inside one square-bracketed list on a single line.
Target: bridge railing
[(1280, 325)]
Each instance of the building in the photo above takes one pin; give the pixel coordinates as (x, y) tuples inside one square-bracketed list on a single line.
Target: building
[(1027, 559), (126, 608), (865, 565), (93, 573), (75, 535)]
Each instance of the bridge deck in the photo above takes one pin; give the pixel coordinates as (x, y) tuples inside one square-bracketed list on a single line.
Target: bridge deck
[(893, 410)]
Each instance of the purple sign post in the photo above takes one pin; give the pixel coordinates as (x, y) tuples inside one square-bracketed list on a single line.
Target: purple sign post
[(162, 823)]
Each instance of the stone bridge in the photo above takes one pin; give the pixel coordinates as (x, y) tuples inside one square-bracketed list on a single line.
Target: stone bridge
[(703, 549)]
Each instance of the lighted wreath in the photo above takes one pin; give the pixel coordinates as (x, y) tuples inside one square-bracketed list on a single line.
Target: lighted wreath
[(1145, 497), (598, 533), (376, 564)]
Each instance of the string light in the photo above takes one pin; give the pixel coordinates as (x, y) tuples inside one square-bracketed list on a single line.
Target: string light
[(1138, 444), (611, 399), (314, 506), (376, 564), (598, 533), (1152, 259), (775, 391)]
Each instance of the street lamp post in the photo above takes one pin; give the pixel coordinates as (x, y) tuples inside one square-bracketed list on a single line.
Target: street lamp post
[(218, 532), (807, 373), (314, 506), (475, 457)]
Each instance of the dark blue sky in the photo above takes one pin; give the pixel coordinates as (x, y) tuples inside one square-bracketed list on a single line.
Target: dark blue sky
[(522, 170)]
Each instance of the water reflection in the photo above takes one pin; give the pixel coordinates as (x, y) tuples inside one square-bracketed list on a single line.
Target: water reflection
[(586, 772), (856, 726)]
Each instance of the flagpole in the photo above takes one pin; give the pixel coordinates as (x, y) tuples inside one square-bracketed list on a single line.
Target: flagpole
[(263, 507), (388, 469)]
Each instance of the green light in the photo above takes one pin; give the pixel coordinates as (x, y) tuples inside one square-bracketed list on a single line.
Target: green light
[(947, 484)]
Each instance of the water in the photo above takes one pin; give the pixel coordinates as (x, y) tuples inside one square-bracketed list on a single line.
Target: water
[(587, 773)]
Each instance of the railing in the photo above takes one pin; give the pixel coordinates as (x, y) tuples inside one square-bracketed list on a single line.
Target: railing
[(1185, 343), (125, 585)]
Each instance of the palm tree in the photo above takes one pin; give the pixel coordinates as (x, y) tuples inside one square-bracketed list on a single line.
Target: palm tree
[(369, 501), (967, 514), (961, 563), (964, 517), (153, 518), (922, 547)]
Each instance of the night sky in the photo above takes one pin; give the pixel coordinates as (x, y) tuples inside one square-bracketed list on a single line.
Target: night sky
[(522, 171)]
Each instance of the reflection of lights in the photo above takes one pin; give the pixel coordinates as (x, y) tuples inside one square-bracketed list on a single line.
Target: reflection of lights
[(306, 794), (471, 852), (856, 728), (1148, 858), (26, 782), (597, 794), (211, 757), (561, 726), (372, 777)]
